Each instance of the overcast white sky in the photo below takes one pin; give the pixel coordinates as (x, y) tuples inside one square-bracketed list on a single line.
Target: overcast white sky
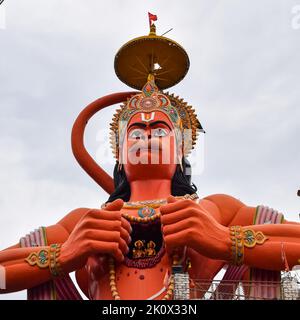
[(57, 56)]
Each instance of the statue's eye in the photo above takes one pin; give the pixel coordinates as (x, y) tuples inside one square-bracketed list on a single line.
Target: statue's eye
[(136, 134), (160, 132)]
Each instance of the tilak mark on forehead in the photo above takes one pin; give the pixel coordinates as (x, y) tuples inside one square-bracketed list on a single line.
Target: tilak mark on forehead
[(181, 115)]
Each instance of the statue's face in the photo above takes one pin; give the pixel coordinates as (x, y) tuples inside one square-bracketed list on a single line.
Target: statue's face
[(149, 149)]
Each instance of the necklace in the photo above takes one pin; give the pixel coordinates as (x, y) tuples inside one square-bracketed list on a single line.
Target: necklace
[(146, 208), (152, 203), (151, 217), (155, 203), (147, 203), (140, 219), (113, 284)]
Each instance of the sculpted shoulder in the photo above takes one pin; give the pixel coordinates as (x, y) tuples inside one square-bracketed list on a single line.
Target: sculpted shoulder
[(59, 232), (71, 219), (226, 206)]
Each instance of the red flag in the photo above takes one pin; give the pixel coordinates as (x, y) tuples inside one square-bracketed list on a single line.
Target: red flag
[(152, 17)]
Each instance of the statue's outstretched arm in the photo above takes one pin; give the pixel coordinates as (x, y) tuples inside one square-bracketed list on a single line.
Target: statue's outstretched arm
[(275, 246), (265, 246), (71, 242), (16, 273)]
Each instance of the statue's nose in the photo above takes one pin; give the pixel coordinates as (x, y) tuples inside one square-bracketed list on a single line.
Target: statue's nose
[(148, 133)]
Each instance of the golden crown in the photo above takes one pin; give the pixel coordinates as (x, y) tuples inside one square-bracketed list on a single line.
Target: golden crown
[(146, 63), (182, 115)]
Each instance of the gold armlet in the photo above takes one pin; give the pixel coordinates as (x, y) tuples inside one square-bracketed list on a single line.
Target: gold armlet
[(47, 258), (241, 238)]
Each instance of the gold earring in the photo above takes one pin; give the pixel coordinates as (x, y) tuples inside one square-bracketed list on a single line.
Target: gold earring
[(181, 167), (180, 163)]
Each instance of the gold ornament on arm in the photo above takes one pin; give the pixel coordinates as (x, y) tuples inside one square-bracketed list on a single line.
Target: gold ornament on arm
[(241, 238), (252, 238), (47, 258), (40, 258)]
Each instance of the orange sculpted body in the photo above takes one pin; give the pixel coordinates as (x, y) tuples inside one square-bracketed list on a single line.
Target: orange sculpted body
[(153, 225), (90, 236)]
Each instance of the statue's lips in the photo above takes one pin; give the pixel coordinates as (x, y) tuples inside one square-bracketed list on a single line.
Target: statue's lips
[(150, 148), (145, 150)]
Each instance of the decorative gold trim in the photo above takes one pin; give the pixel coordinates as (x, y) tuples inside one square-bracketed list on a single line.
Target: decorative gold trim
[(139, 219), (47, 258), (54, 266), (182, 115), (243, 238), (156, 202), (40, 258), (252, 238), (237, 245), (149, 203)]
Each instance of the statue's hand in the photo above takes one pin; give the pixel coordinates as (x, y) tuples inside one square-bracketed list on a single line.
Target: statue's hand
[(102, 231), (187, 223)]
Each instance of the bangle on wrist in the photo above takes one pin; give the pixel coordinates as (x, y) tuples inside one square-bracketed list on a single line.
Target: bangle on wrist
[(237, 245), (54, 265)]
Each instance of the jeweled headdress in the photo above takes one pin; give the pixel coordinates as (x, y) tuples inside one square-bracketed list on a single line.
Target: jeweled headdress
[(153, 63), (138, 63)]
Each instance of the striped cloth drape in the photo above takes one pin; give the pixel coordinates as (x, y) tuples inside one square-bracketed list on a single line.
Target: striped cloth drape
[(57, 289)]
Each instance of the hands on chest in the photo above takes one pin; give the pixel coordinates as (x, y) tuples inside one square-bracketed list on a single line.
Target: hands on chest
[(187, 223)]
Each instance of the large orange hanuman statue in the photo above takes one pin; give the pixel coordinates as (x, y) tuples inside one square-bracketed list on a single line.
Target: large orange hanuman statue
[(153, 230)]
